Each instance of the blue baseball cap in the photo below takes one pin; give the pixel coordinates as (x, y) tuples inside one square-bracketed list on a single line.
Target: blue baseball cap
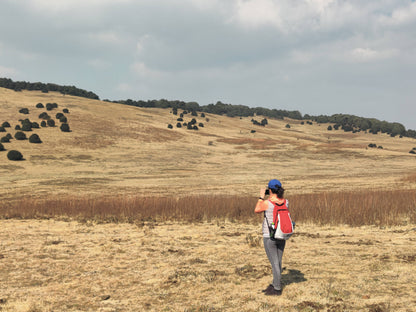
[(274, 184)]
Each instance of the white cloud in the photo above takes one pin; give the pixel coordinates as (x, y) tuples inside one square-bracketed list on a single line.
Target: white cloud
[(53, 6), (98, 63), (143, 71), (362, 55), (7, 71), (401, 15)]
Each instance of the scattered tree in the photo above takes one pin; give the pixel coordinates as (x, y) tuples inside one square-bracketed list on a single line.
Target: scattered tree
[(1, 147), (14, 155), (65, 110), (5, 125), (39, 105), (24, 111), (51, 123), (2, 129), (170, 126), (34, 138), (5, 139), (65, 128), (287, 126), (20, 136)]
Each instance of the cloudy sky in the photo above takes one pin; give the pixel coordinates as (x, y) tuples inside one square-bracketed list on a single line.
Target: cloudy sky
[(315, 56)]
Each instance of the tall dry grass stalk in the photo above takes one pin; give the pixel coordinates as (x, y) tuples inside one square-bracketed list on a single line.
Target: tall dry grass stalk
[(352, 208)]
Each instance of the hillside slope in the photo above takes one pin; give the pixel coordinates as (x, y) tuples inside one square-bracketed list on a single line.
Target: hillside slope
[(118, 149)]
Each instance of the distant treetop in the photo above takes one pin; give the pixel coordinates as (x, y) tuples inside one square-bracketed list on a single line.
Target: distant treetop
[(46, 87)]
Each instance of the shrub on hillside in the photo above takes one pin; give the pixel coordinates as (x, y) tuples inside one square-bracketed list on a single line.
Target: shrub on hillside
[(372, 145), (253, 131), (1, 147), (44, 116), (5, 139), (65, 110), (39, 105), (179, 119), (17, 127), (287, 126), (43, 123), (170, 126), (26, 125), (35, 125), (20, 136), (24, 111), (65, 128), (59, 115), (51, 123), (329, 128), (51, 106), (5, 125), (63, 119), (195, 127), (201, 125), (178, 125), (14, 155), (302, 123), (412, 151), (202, 115), (2, 129), (34, 138)]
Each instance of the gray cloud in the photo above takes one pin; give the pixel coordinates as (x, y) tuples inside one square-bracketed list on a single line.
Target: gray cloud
[(316, 56)]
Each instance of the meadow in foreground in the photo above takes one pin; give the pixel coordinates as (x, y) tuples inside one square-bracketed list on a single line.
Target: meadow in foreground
[(48, 265)]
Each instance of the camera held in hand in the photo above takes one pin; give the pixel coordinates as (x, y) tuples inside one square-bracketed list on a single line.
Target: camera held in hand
[(267, 192)]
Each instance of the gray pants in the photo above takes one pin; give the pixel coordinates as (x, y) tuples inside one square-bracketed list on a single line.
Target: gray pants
[(274, 251)]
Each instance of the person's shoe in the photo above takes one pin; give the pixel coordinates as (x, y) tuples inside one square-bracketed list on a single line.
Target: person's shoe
[(268, 288), (273, 292)]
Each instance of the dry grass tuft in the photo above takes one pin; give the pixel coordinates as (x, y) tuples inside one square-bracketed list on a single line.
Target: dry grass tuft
[(355, 209)]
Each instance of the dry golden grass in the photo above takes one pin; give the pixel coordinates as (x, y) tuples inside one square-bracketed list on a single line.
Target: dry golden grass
[(200, 248), (218, 266), (129, 150)]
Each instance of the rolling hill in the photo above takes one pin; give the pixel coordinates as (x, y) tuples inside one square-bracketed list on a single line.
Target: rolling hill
[(118, 149)]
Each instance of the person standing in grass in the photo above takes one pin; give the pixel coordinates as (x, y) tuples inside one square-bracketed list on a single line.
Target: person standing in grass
[(274, 247)]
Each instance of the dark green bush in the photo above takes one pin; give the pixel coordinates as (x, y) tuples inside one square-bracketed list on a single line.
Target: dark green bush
[(287, 126), (51, 123), (5, 139), (44, 116), (14, 155), (5, 125), (51, 106), (202, 115), (2, 129), (20, 136), (17, 127), (253, 131), (65, 110), (1, 147), (9, 136), (43, 123), (63, 119), (65, 128), (35, 125), (24, 111), (26, 125), (39, 105), (34, 138), (201, 125), (59, 115), (412, 151), (329, 127), (179, 119), (178, 125), (170, 126)]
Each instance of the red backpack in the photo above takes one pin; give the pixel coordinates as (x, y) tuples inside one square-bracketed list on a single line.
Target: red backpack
[(283, 223)]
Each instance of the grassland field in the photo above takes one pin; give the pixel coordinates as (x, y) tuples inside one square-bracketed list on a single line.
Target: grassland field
[(63, 262)]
